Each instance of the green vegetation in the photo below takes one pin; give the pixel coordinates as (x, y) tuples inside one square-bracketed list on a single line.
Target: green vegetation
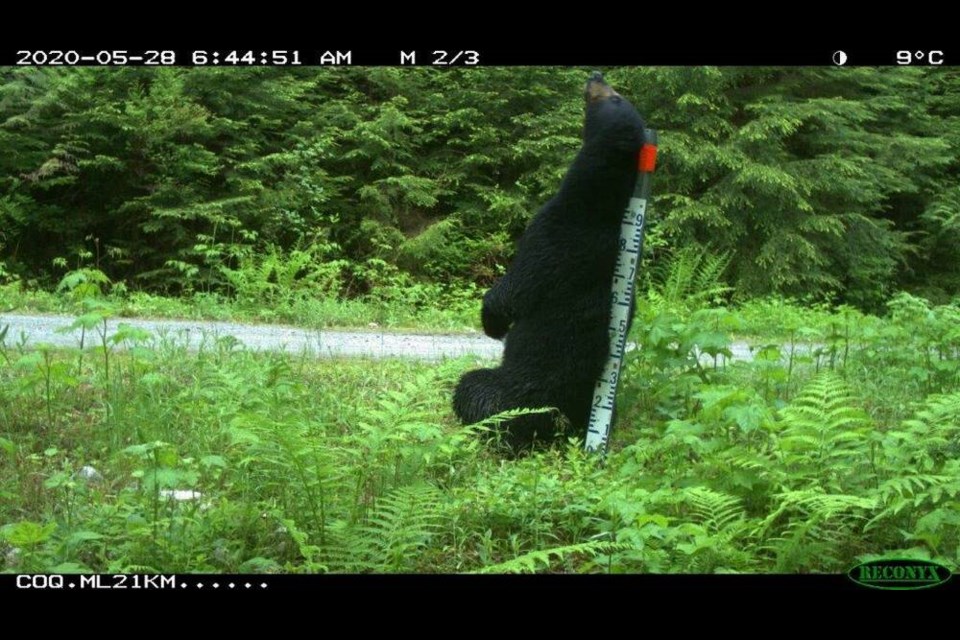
[(814, 211), (418, 306), (828, 185), (813, 456)]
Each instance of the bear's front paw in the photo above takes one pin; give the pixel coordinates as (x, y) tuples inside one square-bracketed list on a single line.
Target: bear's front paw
[(494, 325)]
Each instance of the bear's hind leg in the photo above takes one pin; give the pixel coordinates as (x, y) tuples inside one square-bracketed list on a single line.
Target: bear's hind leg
[(478, 396)]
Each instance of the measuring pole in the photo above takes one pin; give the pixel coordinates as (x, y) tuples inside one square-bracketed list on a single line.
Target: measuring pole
[(624, 272)]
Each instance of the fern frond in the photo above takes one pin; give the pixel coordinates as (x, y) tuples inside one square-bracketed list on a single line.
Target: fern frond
[(690, 279), (912, 486), (816, 506), (714, 510), (544, 558), (937, 423), (824, 425), (905, 494), (403, 522)]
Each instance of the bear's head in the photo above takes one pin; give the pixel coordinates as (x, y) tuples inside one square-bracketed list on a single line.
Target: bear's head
[(610, 121)]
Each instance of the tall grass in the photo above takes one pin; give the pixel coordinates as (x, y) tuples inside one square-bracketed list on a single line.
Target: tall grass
[(146, 456)]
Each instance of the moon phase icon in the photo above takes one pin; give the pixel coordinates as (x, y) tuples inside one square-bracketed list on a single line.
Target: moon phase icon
[(840, 58)]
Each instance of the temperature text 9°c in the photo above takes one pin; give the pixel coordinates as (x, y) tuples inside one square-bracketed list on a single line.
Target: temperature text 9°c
[(920, 57)]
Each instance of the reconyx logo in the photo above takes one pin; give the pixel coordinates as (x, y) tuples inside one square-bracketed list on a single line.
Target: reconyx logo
[(899, 574)]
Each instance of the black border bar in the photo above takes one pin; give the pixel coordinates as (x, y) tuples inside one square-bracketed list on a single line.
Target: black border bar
[(467, 54), (226, 584)]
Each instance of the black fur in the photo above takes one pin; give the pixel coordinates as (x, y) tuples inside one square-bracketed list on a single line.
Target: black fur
[(553, 304)]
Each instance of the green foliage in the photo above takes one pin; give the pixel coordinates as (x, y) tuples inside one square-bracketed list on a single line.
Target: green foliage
[(535, 561), (274, 276), (677, 333), (400, 528), (689, 279), (822, 432), (838, 442), (828, 184)]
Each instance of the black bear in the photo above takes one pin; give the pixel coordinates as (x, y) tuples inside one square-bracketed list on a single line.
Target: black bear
[(553, 304)]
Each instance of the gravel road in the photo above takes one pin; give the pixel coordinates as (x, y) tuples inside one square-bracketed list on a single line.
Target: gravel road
[(34, 329)]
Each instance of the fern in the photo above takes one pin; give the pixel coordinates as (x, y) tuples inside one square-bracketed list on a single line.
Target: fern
[(906, 494), (921, 456), (934, 432), (738, 458), (816, 527), (823, 506), (913, 487), (301, 468), (309, 552), (545, 558), (717, 539), (824, 432), (716, 511), (690, 280), (400, 527), (272, 275)]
